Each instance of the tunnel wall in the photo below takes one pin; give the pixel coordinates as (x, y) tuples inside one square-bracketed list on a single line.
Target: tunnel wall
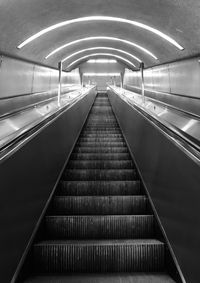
[(172, 179), (18, 77), (28, 177), (176, 83), (101, 82)]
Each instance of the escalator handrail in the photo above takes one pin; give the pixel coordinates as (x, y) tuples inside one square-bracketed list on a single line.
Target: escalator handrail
[(174, 108), (13, 145), (191, 148), (165, 93), (25, 108)]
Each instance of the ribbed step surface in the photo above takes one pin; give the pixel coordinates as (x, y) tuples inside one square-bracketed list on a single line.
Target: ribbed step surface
[(96, 164), (103, 278), (95, 205), (99, 226), (92, 188), (100, 156), (99, 174), (99, 256), (98, 149)]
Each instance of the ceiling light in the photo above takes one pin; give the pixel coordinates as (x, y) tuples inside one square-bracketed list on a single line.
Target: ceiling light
[(105, 54), (104, 48), (102, 38), (101, 74), (102, 61), (101, 18)]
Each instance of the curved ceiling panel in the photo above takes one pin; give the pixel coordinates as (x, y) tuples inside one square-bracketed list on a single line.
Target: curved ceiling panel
[(101, 18), (102, 48), (107, 38), (177, 19), (102, 51), (83, 58)]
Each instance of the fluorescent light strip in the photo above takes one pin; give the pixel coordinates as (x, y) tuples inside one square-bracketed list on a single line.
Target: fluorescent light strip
[(104, 48), (102, 38), (102, 61), (101, 18), (101, 74), (99, 54)]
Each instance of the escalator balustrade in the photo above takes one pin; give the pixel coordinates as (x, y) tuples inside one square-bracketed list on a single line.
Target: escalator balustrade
[(99, 227)]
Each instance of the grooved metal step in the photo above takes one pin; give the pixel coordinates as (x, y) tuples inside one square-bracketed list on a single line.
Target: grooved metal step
[(100, 139), (100, 156), (96, 135), (100, 227), (99, 164), (144, 277), (99, 256), (101, 149), (85, 188), (101, 144), (99, 174), (99, 205)]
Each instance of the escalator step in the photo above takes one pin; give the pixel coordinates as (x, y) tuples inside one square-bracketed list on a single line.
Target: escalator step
[(98, 205), (101, 139), (84, 135), (100, 227), (99, 174), (99, 256), (130, 277), (101, 149), (97, 131), (101, 144), (98, 164), (100, 156), (82, 188)]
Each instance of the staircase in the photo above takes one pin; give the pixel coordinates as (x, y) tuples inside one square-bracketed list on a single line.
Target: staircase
[(99, 226)]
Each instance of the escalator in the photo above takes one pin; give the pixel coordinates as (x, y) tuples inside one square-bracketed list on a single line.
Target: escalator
[(99, 226)]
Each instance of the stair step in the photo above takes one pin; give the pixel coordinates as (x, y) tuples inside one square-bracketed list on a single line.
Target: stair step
[(103, 128), (99, 205), (101, 149), (99, 164), (101, 144), (100, 156), (99, 256), (99, 174), (99, 188), (96, 135), (103, 278), (100, 227), (100, 139)]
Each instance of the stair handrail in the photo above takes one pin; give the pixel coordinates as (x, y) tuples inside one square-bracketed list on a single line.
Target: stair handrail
[(13, 145), (188, 144)]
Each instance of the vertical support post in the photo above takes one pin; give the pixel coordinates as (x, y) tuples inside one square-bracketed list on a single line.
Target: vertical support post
[(121, 84), (142, 81), (59, 82)]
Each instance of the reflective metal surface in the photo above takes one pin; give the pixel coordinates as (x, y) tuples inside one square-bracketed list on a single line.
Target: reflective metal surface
[(28, 177), (186, 123), (172, 179), (15, 125)]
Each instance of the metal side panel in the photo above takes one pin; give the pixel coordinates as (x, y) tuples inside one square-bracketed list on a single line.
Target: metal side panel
[(172, 179), (27, 179)]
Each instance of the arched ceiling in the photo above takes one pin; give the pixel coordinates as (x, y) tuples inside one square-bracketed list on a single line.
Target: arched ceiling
[(179, 19), (73, 63)]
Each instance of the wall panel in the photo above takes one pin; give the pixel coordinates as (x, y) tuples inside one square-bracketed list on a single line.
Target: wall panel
[(18, 77), (178, 83)]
